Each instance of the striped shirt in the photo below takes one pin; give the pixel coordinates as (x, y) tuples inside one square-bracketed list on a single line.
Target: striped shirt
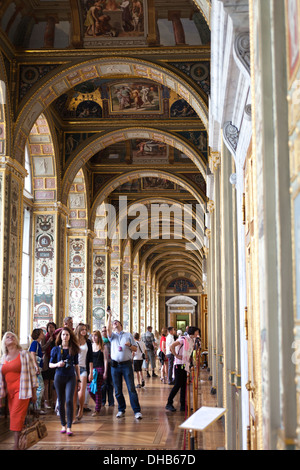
[(28, 377)]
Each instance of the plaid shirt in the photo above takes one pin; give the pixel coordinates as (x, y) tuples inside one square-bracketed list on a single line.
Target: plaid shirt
[(28, 378)]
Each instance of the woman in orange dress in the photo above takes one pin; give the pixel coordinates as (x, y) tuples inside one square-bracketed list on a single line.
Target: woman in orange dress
[(18, 381)]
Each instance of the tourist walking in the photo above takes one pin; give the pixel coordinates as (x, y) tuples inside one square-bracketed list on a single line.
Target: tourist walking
[(122, 347)]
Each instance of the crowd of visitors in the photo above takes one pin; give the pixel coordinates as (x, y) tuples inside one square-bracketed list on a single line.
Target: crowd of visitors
[(65, 367)]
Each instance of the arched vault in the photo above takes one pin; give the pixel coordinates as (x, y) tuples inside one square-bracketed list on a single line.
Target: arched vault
[(66, 77)]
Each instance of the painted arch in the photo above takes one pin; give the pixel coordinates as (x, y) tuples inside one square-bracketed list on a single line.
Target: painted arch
[(93, 145), (136, 174), (66, 77)]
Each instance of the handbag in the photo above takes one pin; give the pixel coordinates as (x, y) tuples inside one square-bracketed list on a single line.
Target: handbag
[(33, 431), (161, 356), (143, 354)]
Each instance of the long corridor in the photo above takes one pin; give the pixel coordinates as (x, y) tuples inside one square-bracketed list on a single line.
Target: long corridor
[(158, 430)]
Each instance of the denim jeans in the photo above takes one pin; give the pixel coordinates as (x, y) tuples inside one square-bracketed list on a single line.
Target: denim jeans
[(107, 388), (65, 388), (125, 370)]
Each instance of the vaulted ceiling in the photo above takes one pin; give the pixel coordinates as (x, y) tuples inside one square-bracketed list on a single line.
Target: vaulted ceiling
[(155, 126)]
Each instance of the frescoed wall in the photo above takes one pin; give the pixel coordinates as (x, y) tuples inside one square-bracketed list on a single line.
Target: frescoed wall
[(77, 278), (44, 269), (99, 280)]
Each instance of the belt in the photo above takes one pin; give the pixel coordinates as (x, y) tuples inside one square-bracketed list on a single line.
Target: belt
[(123, 362)]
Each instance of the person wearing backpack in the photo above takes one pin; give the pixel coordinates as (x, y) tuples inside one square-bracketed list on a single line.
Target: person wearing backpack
[(149, 340), (182, 349)]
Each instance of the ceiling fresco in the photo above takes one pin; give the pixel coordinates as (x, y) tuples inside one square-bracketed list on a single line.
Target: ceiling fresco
[(125, 87), (96, 23)]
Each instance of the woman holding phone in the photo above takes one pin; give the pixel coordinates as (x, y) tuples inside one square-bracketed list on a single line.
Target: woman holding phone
[(64, 358)]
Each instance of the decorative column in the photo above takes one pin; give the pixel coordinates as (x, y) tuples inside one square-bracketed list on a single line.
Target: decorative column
[(12, 176), (152, 24), (49, 35), (179, 35), (217, 285), (76, 40), (229, 328)]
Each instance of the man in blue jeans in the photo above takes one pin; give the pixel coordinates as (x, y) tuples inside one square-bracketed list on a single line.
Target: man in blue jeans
[(122, 347)]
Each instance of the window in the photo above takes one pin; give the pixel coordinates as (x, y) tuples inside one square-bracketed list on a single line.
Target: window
[(26, 279), (27, 183)]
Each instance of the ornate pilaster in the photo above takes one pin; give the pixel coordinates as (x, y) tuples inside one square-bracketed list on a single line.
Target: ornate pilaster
[(80, 259), (49, 264), (12, 176)]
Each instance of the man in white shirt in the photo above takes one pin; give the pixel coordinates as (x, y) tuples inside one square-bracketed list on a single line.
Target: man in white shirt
[(122, 347), (170, 340)]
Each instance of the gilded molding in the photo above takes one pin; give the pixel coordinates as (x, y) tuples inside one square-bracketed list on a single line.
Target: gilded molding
[(210, 206), (208, 233), (13, 165), (214, 161)]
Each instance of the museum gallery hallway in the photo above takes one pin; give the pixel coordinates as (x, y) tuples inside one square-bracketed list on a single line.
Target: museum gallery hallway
[(158, 430)]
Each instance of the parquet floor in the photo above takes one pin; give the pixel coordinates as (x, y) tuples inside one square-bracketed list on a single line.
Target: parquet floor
[(158, 430)]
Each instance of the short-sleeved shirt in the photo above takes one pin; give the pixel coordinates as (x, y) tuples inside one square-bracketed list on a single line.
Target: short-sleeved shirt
[(148, 338), (37, 348), (179, 350), (119, 352), (56, 356), (138, 355), (169, 340)]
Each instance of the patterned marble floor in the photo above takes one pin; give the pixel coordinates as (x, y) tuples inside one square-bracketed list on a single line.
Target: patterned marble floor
[(158, 430)]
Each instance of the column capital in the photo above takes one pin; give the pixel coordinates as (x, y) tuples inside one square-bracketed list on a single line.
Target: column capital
[(8, 163)]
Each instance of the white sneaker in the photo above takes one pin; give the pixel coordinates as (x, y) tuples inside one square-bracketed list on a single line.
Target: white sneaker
[(138, 415), (120, 414)]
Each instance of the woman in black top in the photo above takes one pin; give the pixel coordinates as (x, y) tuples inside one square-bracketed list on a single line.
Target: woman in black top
[(100, 358), (64, 358)]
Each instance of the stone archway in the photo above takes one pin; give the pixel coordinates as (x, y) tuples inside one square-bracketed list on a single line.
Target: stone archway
[(181, 306)]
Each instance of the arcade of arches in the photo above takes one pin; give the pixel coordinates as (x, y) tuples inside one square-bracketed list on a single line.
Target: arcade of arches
[(149, 160)]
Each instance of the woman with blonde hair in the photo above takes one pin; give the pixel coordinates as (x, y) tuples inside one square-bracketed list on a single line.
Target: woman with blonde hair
[(18, 380), (100, 363)]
